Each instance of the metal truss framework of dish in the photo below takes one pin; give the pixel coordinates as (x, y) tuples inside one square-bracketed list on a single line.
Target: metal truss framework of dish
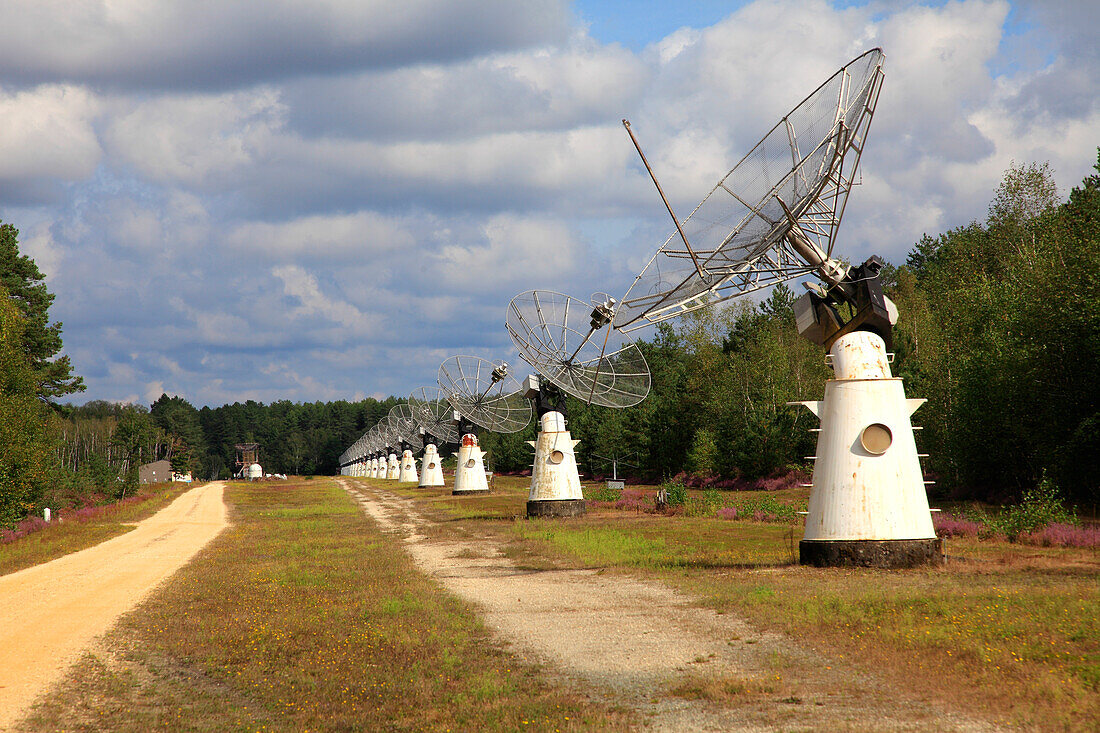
[(435, 414), (570, 343), (479, 391), (387, 435), (405, 420), (775, 212)]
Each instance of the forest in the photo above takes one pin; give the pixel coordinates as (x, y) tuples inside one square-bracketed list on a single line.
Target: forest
[(999, 329)]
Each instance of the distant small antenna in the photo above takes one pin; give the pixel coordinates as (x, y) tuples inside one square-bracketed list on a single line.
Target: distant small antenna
[(614, 461), (484, 393), (558, 336)]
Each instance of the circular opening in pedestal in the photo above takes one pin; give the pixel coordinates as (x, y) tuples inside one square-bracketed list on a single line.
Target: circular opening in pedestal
[(557, 457), (431, 465), (876, 438), (471, 463)]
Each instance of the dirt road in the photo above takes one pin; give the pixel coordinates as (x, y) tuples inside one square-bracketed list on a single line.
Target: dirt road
[(634, 641), (50, 612)]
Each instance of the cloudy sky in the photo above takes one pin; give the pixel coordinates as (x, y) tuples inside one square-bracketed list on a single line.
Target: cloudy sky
[(312, 201)]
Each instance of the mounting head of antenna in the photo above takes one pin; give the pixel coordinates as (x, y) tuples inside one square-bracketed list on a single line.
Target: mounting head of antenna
[(819, 320), (531, 386), (603, 311), (500, 371)]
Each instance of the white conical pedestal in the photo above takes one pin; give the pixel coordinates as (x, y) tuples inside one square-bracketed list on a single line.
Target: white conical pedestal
[(470, 472), (374, 468), (407, 473), (868, 505), (431, 472), (393, 467), (555, 482)]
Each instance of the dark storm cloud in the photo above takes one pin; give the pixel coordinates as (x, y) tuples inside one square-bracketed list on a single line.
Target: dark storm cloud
[(226, 44)]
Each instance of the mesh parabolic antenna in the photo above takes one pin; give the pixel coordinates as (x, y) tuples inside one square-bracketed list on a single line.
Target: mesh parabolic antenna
[(484, 393), (404, 420), (387, 436), (775, 215), (572, 344), (435, 413)]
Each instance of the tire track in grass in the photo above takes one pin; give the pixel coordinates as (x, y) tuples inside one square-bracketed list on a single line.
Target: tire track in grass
[(648, 646)]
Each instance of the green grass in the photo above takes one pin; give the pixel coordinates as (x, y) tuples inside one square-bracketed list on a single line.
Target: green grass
[(303, 616), (650, 541), (63, 537), (1005, 631), (1019, 642)]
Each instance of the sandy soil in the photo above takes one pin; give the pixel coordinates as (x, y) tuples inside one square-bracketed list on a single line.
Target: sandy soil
[(632, 641), (51, 612)]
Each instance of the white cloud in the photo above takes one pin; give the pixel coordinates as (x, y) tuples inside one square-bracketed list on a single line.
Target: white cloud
[(41, 247), (301, 285), (334, 237), (516, 253), (194, 139), (48, 133), (136, 227)]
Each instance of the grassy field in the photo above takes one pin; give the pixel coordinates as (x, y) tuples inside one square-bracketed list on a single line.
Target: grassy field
[(302, 616), (1007, 631), (91, 527)]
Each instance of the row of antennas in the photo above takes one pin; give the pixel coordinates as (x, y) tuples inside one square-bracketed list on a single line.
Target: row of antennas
[(773, 217)]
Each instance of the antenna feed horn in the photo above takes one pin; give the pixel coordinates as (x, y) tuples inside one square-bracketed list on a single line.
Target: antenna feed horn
[(603, 313)]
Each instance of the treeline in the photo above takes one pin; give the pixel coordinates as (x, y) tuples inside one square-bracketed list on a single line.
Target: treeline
[(999, 329), (294, 438), (102, 441)]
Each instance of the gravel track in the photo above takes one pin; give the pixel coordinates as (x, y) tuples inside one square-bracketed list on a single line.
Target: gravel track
[(632, 640)]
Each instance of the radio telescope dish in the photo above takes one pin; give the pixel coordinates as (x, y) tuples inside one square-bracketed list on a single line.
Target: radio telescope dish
[(435, 414), (403, 418), (484, 393), (387, 435), (572, 344), (775, 215)]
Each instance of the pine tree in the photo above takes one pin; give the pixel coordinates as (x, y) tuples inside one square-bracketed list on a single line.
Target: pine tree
[(23, 281), (25, 434)]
